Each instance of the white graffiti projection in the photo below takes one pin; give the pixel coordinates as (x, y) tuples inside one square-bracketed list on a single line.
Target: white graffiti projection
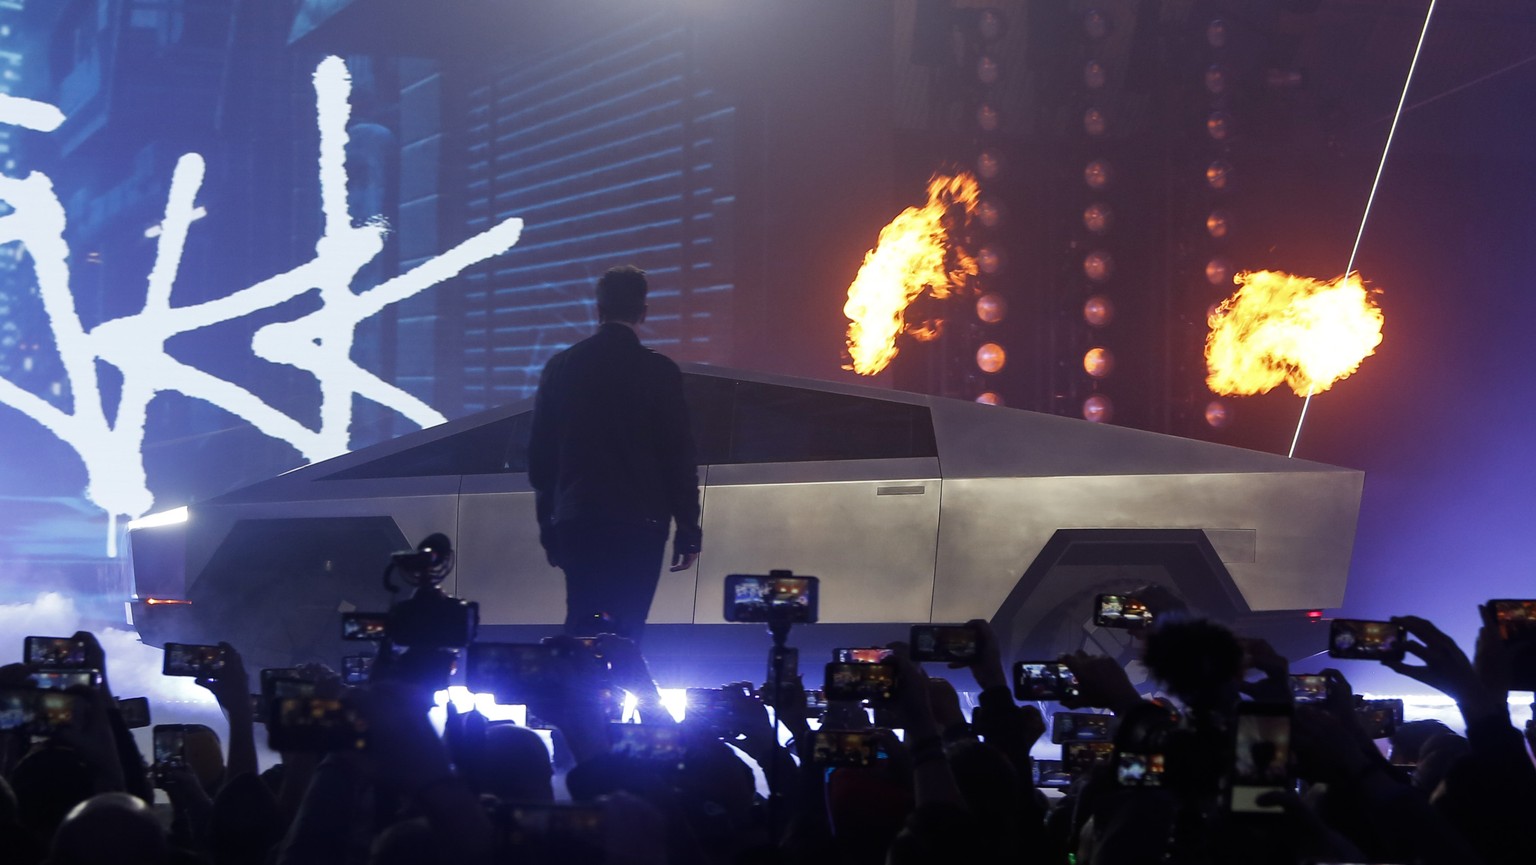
[(319, 342)]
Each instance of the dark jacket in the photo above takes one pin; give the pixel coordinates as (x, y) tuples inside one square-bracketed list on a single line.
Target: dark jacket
[(611, 441)]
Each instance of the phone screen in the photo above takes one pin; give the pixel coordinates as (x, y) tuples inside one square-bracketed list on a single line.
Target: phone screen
[(1261, 757), (945, 643), (1365, 640), (1121, 611), (364, 626), (1517, 626), (1043, 680), (514, 671), (650, 742), (1309, 687), (872, 682), (55, 652), (188, 659), (851, 748), (1079, 727), (750, 598), (870, 655)]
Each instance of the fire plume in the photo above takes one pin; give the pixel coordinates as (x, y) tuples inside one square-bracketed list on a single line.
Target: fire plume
[(1293, 329), (914, 255)]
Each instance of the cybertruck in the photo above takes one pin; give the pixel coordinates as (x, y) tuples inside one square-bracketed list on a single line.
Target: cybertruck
[(910, 509)]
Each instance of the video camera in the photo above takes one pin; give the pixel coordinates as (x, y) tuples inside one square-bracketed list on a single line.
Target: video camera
[(430, 618)]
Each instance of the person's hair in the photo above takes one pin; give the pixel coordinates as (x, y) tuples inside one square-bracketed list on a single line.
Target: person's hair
[(621, 294), (1195, 658)]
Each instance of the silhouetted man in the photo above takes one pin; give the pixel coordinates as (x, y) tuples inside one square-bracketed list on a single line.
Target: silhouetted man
[(611, 460)]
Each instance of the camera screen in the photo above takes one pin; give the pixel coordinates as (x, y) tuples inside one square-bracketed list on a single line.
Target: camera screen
[(1309, 688), (873, 682), (1079, 727), (1043, 681), (1121, 611), (364, 626), (1051, 773), (846, 748), (1356, 638), (647, 742), (314, 724), (1380, 718), (1517, 625), (18, 707), (943, 643), (63, 680), (187, 659), (757, 599), (871, 655), (1139, 770), (513, 670), (55, 651), (1261, 758), (355, 669), (1080, 757), (170, 745), (135, 711)]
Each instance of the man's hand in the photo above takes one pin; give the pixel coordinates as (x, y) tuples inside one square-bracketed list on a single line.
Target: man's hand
[(683, 561)]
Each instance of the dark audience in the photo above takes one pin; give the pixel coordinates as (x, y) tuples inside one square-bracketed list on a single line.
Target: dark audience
[(1227, 760)]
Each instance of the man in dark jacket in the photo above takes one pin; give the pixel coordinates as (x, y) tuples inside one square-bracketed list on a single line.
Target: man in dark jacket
[(611, 460)]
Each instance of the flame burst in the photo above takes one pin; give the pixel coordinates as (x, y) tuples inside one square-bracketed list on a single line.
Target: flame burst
[(1283, 328), (911, 257)]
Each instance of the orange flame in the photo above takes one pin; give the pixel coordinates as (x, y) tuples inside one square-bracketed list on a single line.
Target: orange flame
[(1283, 328), (910, 258)]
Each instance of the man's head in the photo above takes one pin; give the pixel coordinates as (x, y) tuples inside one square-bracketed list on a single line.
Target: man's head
[(621, 295)]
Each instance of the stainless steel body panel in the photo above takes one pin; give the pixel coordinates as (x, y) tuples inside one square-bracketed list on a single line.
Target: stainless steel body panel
[(1303, 526), (872, 541)]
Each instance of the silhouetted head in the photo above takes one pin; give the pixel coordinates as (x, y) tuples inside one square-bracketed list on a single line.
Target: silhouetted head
[(1198, 660), (113, 828), (515, 765), (621, 295), (49, 782)]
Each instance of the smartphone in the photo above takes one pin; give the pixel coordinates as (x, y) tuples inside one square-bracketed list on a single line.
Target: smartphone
[(188, 659), (63, 680), (552, 832), (1261, 756), (1043, 680), (272, 674), (1081, 757), (1079, 727), (870, 655), (314, 724), (1309, 687), (717, 710), (944, 643), (1517, 628), (783, 669), (847, 748), (1051, 774), (355, 669), (54, 652), (658, 743), (815, 700), (1121, 611), (775, 597), (1366, 640), (1380, 718), (170, 744), (875, 683), (1133, 769), (364, 626), (135, 711), (514, 672), (36, 712)]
